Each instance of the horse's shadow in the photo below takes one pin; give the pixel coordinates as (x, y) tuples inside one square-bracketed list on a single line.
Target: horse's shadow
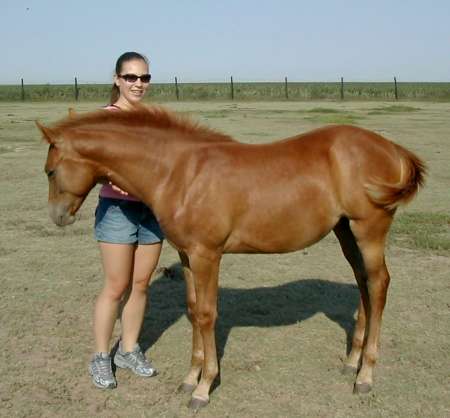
[(285, 304)]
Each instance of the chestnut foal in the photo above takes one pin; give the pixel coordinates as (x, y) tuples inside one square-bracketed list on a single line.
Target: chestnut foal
[(214, 195)]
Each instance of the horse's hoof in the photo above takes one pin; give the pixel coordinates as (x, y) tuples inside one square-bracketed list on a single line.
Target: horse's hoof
[(362, 388), (195, 404), (186, 388), (349, 370)]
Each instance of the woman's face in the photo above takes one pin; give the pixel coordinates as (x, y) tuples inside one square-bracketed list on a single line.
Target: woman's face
[(132, 92)]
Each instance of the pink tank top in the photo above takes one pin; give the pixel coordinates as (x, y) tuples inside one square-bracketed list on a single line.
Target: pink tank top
[(107, 189)]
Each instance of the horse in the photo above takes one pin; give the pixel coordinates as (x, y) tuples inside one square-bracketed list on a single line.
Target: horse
[(212, 194)]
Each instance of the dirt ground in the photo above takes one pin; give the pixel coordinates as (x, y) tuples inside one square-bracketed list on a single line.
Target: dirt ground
[(285, 320)]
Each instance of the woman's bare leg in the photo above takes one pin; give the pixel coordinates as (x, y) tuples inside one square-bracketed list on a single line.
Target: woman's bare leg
[(117, 261), (145, 261)]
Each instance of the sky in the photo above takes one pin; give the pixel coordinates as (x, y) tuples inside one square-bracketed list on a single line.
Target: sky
[(52, 41)]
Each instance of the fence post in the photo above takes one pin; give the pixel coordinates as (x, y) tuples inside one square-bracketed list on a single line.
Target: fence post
[(177, 92), (286, 88), (232, 89), (22, 91), (342, 88), (76, 89), (395, 88)]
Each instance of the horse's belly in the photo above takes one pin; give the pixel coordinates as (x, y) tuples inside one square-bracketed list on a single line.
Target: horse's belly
[(279, 234)]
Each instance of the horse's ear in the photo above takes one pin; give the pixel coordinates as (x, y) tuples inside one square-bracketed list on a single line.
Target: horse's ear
[(72, 113), (47, 133)]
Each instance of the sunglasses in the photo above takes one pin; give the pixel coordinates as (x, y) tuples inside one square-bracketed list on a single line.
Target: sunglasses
[(132, 78)]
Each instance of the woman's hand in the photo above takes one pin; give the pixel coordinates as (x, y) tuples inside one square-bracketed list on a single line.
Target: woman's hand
[(118, 189)]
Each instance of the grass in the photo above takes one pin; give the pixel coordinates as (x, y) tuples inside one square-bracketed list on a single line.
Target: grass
[(215, 114), (328, 115), (242, 91), (393, 109), (256, 134), (422, 230), (323, 110)]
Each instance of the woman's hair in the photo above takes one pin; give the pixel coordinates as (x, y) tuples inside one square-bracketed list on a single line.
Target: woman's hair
[(127, 56)]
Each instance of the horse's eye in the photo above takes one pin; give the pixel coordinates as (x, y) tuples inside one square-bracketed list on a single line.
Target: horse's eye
[(50, 173)]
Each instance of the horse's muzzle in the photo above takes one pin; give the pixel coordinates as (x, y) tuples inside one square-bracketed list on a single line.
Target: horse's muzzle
[(60, 214)]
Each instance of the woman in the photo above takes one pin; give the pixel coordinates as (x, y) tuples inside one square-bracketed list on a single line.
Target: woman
[(130, 243)]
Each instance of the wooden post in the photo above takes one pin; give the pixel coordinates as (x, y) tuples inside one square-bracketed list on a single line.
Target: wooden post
[(22, 90), (286, 88), (76, 89), (232, 89), (342, 88), (177, 92), (395, 88)]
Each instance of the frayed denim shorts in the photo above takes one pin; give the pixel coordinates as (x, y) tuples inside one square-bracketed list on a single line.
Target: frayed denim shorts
[(120, 221)]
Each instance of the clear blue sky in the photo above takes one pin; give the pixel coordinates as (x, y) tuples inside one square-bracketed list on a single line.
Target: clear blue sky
[(51, 41)]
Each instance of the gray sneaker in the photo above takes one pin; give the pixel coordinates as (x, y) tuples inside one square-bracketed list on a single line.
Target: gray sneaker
[(100, 369), (134, 360)]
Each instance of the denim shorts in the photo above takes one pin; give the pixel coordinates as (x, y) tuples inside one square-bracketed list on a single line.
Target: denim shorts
[(120, 221)]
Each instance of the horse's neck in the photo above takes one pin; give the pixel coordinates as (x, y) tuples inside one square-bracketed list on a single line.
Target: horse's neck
[(129, 162)]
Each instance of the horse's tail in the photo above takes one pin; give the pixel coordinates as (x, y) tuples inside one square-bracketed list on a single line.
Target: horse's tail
[(412, 176)]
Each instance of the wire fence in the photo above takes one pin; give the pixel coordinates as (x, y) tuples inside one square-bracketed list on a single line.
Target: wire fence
[(232, 90)]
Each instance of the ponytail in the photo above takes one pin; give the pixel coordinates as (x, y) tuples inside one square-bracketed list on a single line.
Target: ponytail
[(115, 94)]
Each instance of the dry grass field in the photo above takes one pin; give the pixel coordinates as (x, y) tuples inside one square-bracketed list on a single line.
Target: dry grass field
[(285, 320)]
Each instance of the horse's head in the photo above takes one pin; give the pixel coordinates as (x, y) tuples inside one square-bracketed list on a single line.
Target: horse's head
[(70, 178)]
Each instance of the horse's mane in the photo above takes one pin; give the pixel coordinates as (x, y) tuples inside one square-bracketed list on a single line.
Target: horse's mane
[(141, 116)]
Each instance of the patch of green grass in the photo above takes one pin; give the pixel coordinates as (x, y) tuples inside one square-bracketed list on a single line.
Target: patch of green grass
[(422, 230), (323, 110), (393, 109), (329, 115), (338, 118), (215, 114), (278, 111), (256, 134), (242, 91), (4, 149)]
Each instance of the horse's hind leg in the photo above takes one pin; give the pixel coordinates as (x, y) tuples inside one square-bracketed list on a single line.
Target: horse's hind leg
[(366, 255), (354, 257), (371, 241), (191, 380)]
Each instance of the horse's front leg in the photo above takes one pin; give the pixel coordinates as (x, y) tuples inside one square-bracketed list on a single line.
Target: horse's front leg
[(191, 380), (205, 268)]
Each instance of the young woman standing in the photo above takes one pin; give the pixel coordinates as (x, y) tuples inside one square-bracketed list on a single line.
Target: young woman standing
[(130, 243)]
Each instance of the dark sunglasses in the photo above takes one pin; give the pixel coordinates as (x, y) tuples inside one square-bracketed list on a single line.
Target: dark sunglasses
[(132, 78)]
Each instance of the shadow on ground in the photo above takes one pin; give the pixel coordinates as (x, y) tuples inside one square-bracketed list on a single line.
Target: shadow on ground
[(286, 304)]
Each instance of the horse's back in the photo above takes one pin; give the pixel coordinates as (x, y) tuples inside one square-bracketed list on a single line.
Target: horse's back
[(287, 195)]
